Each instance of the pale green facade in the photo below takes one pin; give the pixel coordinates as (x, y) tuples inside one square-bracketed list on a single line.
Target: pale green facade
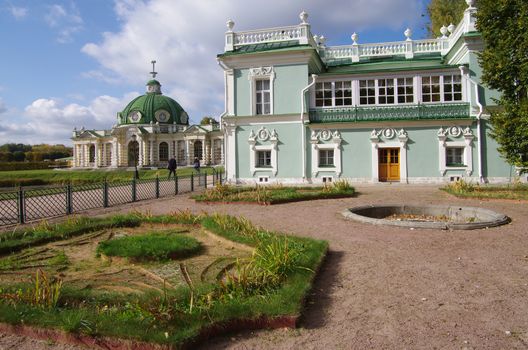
[(424, 118)]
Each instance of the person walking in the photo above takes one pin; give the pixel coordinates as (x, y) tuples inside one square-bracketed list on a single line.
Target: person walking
[(197, 165), (172, 167)]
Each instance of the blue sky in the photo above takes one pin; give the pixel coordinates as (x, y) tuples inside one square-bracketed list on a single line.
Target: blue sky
[(77, 63)]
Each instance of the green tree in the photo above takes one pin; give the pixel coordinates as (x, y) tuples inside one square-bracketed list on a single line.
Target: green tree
[(208, 120), (504, 61), (444, 12), (19, 156)]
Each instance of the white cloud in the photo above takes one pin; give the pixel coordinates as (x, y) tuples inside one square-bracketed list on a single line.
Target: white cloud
[(66, 22), (18, 12), (47, 120), (185, 36)]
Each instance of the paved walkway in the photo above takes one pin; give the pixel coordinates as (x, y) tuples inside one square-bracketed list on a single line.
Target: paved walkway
[(390, 287)]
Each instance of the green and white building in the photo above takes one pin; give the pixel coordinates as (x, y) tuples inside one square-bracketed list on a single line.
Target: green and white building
[(149, 131), (413, 111)]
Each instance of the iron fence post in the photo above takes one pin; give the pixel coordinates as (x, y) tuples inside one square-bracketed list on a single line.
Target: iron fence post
[(157, 186), (105, 194), (21, 206), (192, 182), (220, 176), (133, 190), (205, 180), (175, 184), (69, 199)]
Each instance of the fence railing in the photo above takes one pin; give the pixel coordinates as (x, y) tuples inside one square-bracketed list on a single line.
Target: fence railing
[(25, 205)]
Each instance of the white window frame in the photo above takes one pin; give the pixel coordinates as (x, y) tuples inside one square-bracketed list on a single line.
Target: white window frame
[(263, 140), (442, 92), (416, 85), (260, 73), (333, 158), (445, 140), (333, 142)]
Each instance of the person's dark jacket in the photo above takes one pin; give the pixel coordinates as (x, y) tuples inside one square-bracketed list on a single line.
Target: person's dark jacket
[(172, 164)]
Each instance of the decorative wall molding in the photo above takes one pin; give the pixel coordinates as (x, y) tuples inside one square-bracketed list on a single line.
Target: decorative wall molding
[(445, 140), (263, 140), (389, 138), (259, 73), (325, 139)]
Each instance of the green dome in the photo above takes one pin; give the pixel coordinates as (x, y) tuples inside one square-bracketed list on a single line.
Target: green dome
[(153, 107)]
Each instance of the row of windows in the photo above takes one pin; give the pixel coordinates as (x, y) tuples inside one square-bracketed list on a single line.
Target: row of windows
[(436, 88), (454, 157)]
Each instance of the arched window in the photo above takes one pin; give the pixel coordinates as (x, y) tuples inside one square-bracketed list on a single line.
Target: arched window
[(198, 153), (92, 154), (133, 153), (163, 152)]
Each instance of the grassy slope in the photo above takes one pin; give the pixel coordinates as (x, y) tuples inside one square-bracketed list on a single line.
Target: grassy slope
[(126, 316), (49, 176)]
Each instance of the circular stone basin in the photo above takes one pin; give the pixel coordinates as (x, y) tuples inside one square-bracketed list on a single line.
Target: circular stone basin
[(431, 216)]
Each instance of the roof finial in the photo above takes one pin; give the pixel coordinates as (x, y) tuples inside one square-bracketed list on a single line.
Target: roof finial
[(153, 69)]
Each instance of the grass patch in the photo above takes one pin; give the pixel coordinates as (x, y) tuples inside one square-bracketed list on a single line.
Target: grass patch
[(60, 177), (466, 189), (153, 246), (271, 282), (16, 240), (274, 194)]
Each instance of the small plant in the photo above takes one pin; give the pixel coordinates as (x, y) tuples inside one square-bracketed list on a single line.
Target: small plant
[(45, 291), (186, 217), (76, 322), (462, 186)]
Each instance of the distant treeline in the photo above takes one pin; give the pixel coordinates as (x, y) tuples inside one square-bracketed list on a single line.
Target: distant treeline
[(18, 152)]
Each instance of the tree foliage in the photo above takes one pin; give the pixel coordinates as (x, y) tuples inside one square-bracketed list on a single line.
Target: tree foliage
[(208, 120), (444, 12), (504, 28), (19, 152)]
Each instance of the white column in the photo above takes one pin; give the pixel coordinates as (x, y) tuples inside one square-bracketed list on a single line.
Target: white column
[(188, 152), (141, 150), (115, 154), (97, 157), (212, 150), (230, 135), (204, 152), (84, 162), (151, 153)]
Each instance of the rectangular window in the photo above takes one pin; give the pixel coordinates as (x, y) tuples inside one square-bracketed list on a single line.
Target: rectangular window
[(343, 93), (455, 156), (323, 94), (452, 88), (263, 97), (431, 89), (385, 91), (405, 90), (326, 158), (263, 159), (367, 92)]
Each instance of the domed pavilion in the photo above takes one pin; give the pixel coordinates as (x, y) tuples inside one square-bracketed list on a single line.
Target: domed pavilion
[(151, 129)]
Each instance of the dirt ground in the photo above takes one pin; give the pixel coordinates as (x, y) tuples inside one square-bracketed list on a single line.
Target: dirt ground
[(389, 287)]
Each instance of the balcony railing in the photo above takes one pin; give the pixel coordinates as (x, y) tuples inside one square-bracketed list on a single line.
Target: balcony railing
[(389, 113)]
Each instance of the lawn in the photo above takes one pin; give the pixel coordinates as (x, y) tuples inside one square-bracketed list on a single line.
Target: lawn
[(466, 189), (274, 194), (241, 275), (54, 177)]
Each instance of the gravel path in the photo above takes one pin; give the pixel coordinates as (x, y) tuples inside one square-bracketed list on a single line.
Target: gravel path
[(390, 287)]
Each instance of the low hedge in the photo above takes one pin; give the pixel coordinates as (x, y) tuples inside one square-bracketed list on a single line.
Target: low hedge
[(10, 166)]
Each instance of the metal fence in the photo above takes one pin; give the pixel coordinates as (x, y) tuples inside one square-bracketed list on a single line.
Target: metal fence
[(30, 204)]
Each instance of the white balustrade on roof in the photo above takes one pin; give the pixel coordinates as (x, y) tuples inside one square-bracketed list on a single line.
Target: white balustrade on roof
[(301, 33)]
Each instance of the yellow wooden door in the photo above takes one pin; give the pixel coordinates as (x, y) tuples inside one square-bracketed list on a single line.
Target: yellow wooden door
[(389, 164)]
